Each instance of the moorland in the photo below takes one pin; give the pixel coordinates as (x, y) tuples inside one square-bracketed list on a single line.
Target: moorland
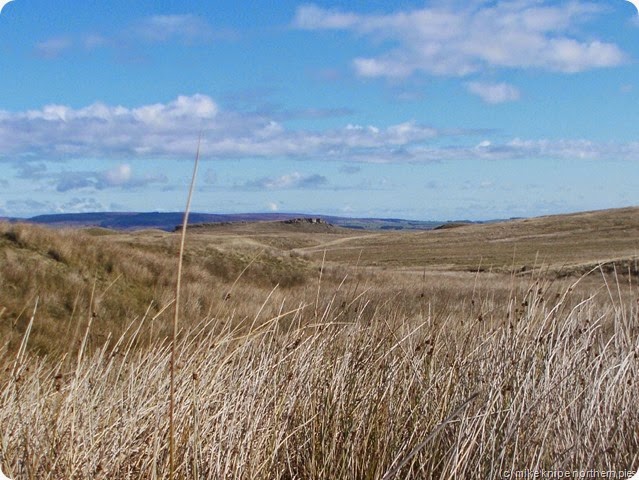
[(312, 351)]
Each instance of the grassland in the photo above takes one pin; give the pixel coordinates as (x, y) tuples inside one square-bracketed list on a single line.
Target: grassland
[(316, 352)]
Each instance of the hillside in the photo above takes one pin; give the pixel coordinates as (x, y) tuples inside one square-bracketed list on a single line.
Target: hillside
[(116, 277), (121, 274), (302, 344), (567, 244), (169, 220), (564, 244)]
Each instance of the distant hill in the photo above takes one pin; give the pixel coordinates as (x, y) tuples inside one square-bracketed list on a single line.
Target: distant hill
[(568, 244), (170, 220)]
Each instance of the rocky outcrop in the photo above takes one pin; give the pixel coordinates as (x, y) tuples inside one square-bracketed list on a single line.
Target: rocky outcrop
[(306, 220)]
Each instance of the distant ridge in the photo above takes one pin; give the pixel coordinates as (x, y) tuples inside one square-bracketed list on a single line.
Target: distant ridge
[(169, 220)]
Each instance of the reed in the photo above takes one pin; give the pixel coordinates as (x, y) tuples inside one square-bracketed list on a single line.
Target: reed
[(176, 317)]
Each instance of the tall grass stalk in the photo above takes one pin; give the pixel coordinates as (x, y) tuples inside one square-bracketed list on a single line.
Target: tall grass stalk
[(176, 317), (25, 340), (392, 472)]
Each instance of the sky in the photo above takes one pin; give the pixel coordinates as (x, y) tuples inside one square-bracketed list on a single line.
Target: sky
[(435, 110)]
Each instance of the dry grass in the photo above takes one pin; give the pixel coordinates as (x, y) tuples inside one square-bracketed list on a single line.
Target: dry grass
[(128, 274), (348, 394), (352, 372), (564, 244)]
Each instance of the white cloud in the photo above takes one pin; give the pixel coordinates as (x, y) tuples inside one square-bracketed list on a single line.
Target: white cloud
[(80, 205), (312, 17), (183, 108), (59, 131), (170, 131), (293, 180), (119, 175), (53, 47), (184, 29), (93, 41), (29, 207), (563, 149), (479, 35), (494, 92), (161, 28)]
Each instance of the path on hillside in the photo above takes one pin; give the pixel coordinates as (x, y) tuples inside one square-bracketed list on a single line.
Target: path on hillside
[(339, 241)]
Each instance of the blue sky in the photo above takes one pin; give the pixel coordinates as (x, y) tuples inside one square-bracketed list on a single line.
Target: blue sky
[(423, 110)]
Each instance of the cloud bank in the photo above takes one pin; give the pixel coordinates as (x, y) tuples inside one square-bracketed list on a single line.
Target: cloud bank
[(170, 131), (443, 41)]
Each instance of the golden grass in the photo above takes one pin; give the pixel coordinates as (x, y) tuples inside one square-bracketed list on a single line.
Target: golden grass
[(350, 393), (349, 372), (130, 274), (565, 244)]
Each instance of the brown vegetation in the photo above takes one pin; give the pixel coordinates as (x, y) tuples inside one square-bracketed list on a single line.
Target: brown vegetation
[(298, 358)]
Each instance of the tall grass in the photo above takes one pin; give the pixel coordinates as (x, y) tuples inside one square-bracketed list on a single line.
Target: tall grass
[(365, 381), (176, 317)]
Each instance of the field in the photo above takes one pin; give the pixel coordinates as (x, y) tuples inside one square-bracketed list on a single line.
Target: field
[(309, 351)]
